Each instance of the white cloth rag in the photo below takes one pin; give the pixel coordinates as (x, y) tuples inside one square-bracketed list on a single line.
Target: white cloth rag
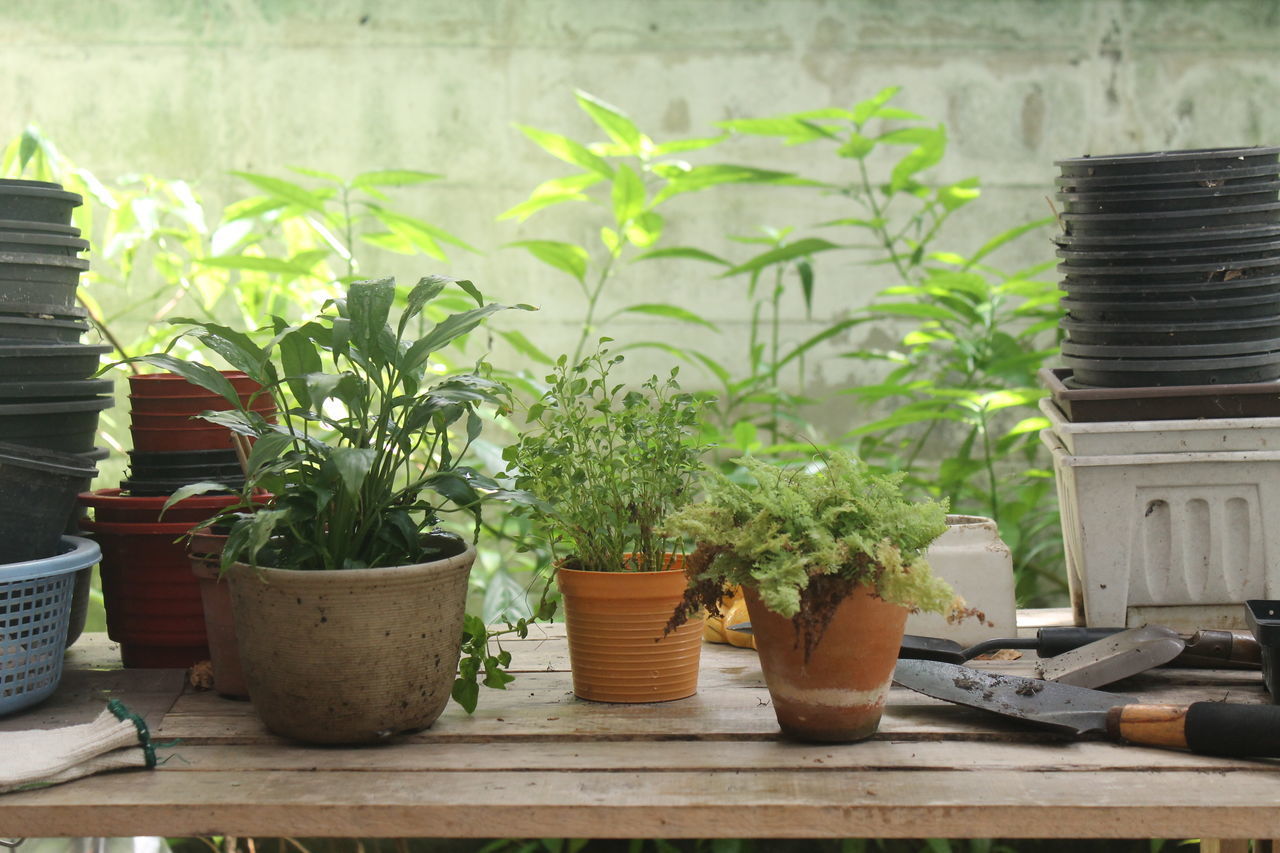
[(39, 757)]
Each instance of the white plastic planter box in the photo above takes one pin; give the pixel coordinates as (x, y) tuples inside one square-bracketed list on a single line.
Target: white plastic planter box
[(1182, 539), (971, 557), (1206, 435)]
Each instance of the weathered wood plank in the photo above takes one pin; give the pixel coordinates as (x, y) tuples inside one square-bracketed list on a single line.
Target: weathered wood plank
[(623, 804)]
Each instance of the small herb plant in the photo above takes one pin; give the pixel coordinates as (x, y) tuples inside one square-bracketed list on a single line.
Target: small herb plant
[(804, 538), (608, 464)]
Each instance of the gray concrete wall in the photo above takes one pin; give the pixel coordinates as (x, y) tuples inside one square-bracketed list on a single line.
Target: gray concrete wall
[(195, 89)]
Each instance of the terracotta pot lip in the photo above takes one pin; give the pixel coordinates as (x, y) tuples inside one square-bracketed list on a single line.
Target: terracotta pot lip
[(372, 573), (643, 572)]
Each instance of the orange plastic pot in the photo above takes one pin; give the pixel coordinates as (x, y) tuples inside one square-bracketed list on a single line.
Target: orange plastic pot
[(152, 600), (204, 550), (838, 694), (617, 650), (173, 385), (190, 420)]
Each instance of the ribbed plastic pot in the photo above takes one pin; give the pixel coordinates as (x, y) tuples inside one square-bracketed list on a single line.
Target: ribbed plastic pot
[(36, 598), (204, 549), (163, 487), (40, 329), (1144, 290), (84, 578), (181, 463), (38, 491), (350, 656), (1156, 372), (152, 600), (1156, 200), (1263, 173), (58, 425), (157, 440), (1209, 310), (50, 362), (194, 405), (36, 201), (838, 694), (115, 507), (187, 420), (617, 650), (1172, 334), (1122, 349), (1185, 237), (33, 267), (1218, 251), (1170, 220), (38, 390), (27, 226), (35, 242), (1207, 271), (1191, 160)]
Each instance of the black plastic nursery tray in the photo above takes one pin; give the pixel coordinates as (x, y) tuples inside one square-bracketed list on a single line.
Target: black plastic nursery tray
[(1173, 402), (1264, 621)]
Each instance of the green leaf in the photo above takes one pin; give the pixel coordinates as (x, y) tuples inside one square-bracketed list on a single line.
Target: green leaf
[(353, 465), (298, 358), (797, 130), (856, 147), (866, 110), (467, 694), (258, 264), (563, 256), (1007, 236), (958, 194), (628, 195), (671, 312), (267, 449), (679, 145), (368, 307), (415, 228), (568, 150), (189, 491), (798, 249), (702, 177), (316, 173), (393, 178), (284, 190), (445, 332), (912, 309), (525, 347), (529, 207), (427, 289), (613, 121), (927, 154), (645, 229), (687, 252)]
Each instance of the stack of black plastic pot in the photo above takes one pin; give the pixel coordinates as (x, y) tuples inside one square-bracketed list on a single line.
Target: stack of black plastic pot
[(49, 405), (1171, 267)]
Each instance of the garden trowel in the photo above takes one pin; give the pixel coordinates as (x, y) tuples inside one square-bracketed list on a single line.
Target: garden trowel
[(1209, 728), (1114, 658)]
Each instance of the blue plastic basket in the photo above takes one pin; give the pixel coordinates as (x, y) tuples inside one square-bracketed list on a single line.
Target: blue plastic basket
[(35, 604)]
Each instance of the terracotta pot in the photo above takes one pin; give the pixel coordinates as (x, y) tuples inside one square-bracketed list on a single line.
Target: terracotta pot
[(190, 420), (151, 598), (204, 550), (350, 656), (616, 648), (162, 439), (839, 693)]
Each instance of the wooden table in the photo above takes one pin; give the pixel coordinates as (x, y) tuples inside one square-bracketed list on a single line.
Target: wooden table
[(536, 762)]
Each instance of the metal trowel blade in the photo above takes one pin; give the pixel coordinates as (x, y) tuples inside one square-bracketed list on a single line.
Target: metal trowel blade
[(1114, 658)]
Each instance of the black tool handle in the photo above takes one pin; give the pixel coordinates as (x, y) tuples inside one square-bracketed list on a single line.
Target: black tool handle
[(1209, 728), (1055, 641), (1221, 728)]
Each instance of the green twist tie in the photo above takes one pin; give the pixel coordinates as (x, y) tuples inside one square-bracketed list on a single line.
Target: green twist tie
[(122, 713)]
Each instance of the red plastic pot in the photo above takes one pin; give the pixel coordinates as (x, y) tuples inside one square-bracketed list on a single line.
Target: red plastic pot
[(194, 405), (111, 507), (173, 385), (188, 420), (151, 597)]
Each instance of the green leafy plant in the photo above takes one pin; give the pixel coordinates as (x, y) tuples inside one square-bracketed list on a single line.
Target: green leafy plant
[(962, 379), (629, 177), (609, 464), (805, 538)]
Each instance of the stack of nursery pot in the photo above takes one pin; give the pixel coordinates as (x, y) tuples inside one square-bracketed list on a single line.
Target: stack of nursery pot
[(349, 610), (609, 466), (152, 599), (47, 399), (1161, 425), (831, 561)]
